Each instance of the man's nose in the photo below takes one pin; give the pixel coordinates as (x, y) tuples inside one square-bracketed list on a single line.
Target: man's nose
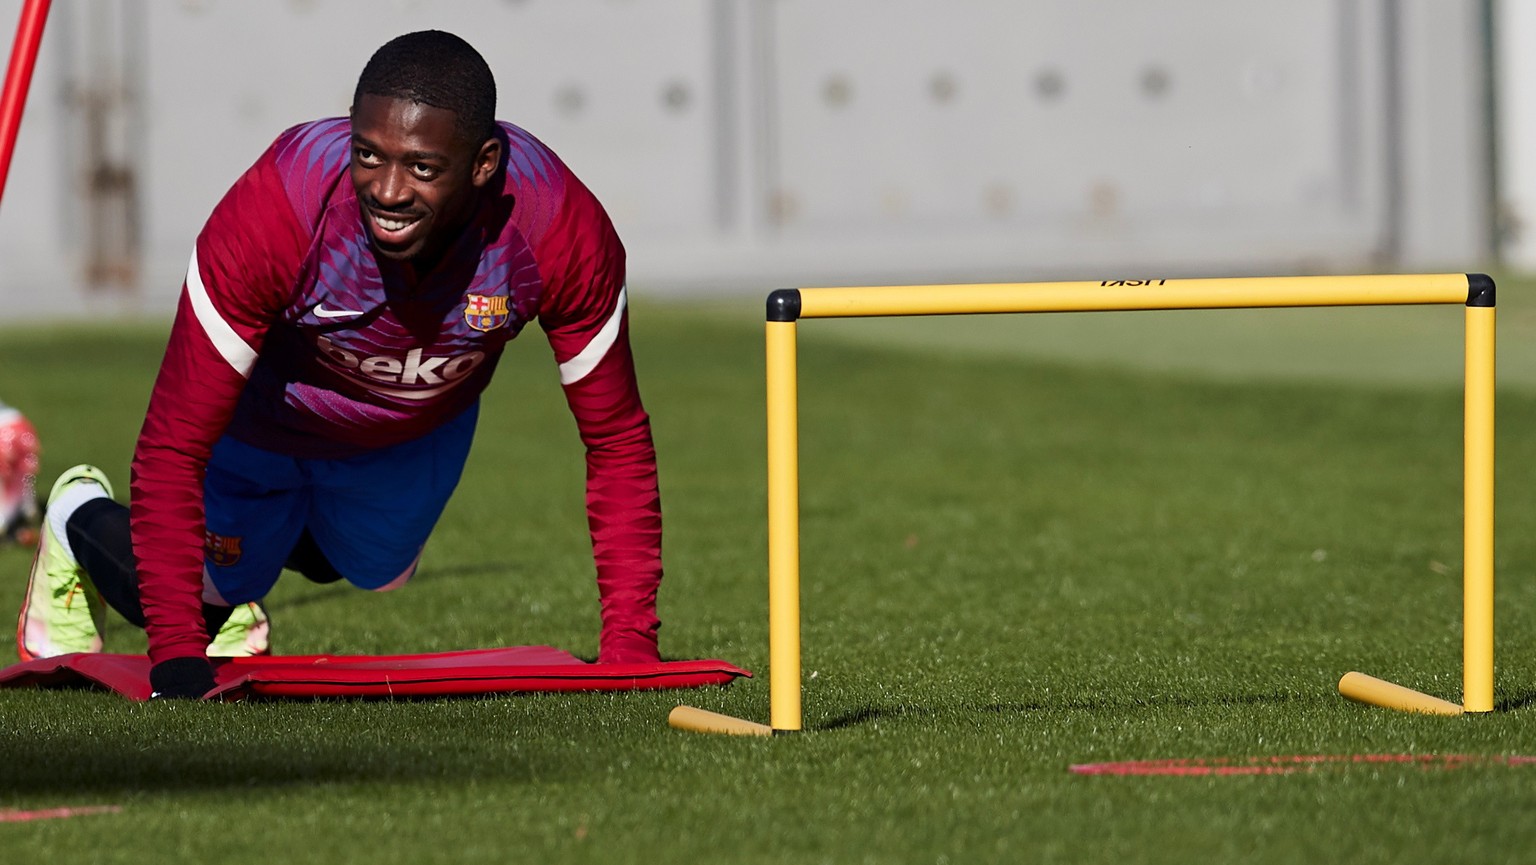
[(390, 188)]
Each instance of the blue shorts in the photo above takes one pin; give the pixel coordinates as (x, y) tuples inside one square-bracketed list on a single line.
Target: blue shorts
[(369, 514)]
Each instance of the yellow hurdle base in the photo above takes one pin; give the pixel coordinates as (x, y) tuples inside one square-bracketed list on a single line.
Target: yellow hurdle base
[(1378, 692), (703, 721)]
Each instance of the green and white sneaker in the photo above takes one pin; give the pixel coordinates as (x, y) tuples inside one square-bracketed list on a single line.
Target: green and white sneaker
[(62, 611), (247, 632)]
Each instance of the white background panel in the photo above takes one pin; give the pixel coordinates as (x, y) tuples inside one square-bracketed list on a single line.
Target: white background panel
[(1005, 111), (744, 144)]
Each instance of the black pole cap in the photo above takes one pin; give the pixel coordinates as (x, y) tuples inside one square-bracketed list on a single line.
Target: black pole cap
[(1480, 289), (784, 305)]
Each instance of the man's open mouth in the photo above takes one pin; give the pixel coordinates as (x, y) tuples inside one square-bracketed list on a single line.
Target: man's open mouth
[(393, 229)]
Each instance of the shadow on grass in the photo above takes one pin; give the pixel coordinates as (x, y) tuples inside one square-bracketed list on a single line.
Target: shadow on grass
[(869, 714), (1519, 701), (114, 753)]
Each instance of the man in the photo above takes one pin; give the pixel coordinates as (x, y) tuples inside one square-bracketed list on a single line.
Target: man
[(345, 306)]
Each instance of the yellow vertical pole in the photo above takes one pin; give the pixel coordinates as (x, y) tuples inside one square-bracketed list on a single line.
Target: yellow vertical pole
[(783, 528), (1477, 543)]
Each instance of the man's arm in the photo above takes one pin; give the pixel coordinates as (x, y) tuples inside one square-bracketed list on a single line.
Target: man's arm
[(585, 314), (235, 284), (623, 501)]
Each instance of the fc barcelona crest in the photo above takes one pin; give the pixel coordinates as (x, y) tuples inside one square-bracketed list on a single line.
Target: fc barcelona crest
[(222, 550), (485, 312)]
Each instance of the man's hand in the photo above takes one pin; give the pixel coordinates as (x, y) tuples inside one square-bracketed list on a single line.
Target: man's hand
[(180, 679)]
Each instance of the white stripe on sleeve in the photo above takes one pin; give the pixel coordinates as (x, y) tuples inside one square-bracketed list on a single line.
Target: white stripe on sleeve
[(230, 345), (578, 367)]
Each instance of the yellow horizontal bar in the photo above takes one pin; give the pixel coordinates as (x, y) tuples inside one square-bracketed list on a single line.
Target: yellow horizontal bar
[(1378, 692), (704, 721), (1132, 294)]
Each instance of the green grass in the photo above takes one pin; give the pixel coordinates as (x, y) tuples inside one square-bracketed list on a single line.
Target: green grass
[(1015, 559)]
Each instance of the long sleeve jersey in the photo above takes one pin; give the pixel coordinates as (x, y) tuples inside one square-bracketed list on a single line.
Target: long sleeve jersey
[(292, 336)]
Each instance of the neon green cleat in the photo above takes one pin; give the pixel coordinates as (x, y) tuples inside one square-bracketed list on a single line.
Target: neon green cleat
[(62, 611), (247, 632)]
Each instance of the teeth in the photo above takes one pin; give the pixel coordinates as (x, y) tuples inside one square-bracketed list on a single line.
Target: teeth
[(391, 224)]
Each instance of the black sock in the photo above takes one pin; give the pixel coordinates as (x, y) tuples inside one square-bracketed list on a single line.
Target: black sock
[(308, 560), (98, 533), (214, 618)]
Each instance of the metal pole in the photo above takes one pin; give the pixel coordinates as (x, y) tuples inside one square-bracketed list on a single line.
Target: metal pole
[(783, 528), (18, 79), (1477, 542)]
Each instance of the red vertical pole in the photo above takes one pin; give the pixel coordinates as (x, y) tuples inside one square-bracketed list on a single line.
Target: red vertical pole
[(18, 77)]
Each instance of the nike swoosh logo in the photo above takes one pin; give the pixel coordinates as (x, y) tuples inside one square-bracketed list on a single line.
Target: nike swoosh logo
[(322, 312)]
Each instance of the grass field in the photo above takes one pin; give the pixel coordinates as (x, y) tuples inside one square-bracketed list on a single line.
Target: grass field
[(1155, 536)]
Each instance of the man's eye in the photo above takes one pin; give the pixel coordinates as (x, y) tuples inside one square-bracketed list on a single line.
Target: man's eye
[(425, 172), (366, 156)]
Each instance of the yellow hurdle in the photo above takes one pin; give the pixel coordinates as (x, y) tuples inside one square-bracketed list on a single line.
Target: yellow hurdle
[(787, 306)]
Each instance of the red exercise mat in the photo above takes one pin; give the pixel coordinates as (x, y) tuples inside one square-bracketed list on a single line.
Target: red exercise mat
[(476, 671)]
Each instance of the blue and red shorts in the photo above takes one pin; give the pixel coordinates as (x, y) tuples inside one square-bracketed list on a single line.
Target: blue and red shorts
[(369, 514)]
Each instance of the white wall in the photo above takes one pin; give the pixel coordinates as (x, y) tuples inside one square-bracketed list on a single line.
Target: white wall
[(1515, 31), (743, 145)]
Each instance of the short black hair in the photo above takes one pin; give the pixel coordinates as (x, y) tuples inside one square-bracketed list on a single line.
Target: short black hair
[(438, 69)]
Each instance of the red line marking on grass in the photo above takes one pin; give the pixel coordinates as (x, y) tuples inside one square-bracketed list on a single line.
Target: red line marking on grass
[(1293, 764), (12, 815)]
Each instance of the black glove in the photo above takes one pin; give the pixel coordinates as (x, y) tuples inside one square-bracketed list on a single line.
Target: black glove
[(180, 679)]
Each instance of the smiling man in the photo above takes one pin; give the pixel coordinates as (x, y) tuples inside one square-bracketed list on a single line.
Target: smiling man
[(346, 304)]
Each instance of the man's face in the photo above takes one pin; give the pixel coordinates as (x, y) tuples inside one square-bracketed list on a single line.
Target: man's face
[(416, 178)]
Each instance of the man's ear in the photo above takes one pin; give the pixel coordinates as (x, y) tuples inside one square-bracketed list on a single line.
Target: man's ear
[(487, 160)]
